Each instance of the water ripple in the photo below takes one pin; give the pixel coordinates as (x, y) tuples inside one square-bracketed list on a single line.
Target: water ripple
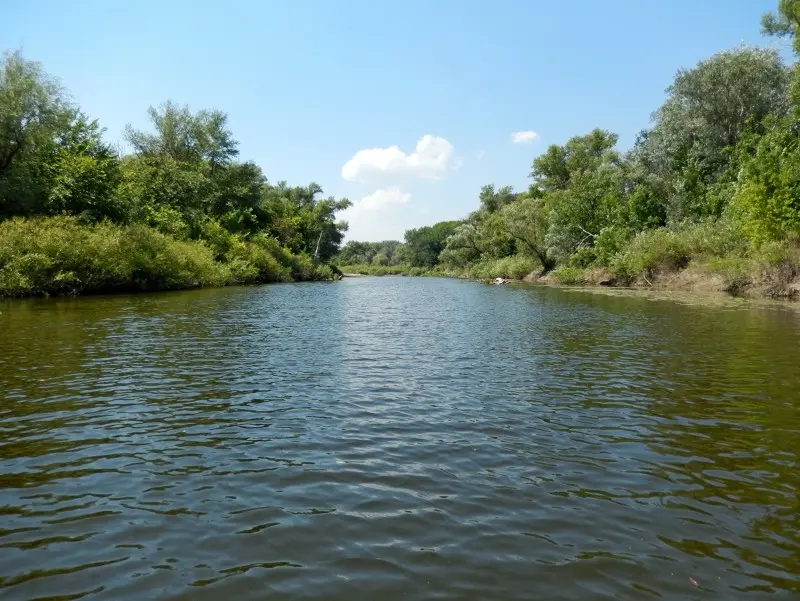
[(397, 439)]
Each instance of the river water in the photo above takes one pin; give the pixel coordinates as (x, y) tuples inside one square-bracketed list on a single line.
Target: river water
[(393, 438)]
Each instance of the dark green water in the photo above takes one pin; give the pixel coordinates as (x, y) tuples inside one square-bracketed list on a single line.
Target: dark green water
[(398, 439)]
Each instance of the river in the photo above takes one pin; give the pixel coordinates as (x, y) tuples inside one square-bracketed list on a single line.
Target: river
[(398, 438)]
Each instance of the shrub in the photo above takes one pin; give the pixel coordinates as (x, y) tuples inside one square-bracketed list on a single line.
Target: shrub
[(671, 249), (59, 255), (253, 264), (583, 257), (567, 274), (736, 272), (515, 267)]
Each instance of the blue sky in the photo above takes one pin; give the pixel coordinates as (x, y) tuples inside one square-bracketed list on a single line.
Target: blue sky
[(407, 108)]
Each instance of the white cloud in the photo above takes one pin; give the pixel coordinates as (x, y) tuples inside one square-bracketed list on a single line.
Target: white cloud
[(524, 137), (431, 159), (381, 201), (481, 154)]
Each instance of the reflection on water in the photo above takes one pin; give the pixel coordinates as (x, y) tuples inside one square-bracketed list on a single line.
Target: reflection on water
[(397, 439)]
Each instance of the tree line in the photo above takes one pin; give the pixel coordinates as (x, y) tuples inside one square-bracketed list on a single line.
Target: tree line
[(713, 182), (184, 210)]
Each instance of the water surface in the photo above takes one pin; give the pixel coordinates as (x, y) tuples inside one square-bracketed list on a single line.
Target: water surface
[(393, 438)]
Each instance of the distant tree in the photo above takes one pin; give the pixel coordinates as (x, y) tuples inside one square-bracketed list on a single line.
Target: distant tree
[(424, 244)]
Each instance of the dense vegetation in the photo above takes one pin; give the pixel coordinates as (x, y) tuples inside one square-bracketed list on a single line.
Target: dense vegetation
[(179, 211), (711, 191)]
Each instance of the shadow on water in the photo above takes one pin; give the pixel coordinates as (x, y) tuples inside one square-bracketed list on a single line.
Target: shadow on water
[(397, 438)]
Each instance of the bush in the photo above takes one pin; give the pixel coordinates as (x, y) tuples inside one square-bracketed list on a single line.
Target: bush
[(515, 267), (567, 274), (59, 255), (62, 255), (778, 268), (766, 203), (158, 262), (736, 272), (671, 249), (583, 257), (251, 263)]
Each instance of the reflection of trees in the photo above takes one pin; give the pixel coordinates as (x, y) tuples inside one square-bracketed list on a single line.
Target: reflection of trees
[(71, 370)]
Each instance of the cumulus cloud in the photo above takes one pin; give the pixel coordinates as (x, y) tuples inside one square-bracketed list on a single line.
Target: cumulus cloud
[(381, 201), (524, 137), (431, 159)]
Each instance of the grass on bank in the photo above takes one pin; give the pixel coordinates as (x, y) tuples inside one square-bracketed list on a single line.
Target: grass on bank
[(383, 270), (61, 255), (515, 267), (705, 255)]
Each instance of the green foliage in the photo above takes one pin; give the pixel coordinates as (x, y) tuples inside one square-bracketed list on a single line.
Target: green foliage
[(83, 174), (62, 255), (493, 200), (483, 234), (200, 138), (714, 182), (514, 267), (194, 215), (609, 242), (786, 23), (424, 245), (376, 269), (709, 108), (766, 203), (672, 249), (366, 253), (525, 221), (52, 157), (59, 255), (584, 192), (568, 275)]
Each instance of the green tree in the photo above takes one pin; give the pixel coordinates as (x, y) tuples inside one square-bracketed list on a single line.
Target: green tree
[(83, 173), (581, 186), (766, 203), (301, 221), (690, 147), (34, 111), (52, 157), (425, 244), (492, 200), (554, 170), (526, 221), (185, 136), (786, 23)]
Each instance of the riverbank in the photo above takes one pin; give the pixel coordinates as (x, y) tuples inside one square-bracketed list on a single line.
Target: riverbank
[(362, 269), (770, 275), (62, 256)]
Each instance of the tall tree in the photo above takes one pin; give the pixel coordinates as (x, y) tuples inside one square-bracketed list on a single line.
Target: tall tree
[(185, 136), (709, 107)]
